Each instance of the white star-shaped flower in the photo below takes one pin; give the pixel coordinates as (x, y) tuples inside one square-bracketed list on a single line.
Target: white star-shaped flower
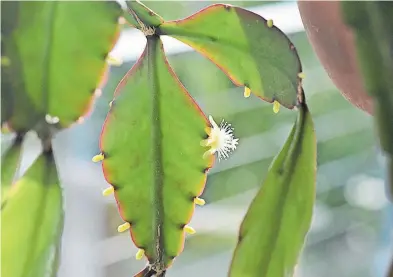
[(221, 140)]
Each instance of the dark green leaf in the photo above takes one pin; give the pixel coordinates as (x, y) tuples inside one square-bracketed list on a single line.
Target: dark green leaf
[(274, 229), (242, 44)]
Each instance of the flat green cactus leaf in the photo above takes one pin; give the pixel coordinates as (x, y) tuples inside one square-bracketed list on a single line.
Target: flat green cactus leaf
[(31, 221), (249, 49), (151, 143), (57, 53), (10, 161), (273, 231)]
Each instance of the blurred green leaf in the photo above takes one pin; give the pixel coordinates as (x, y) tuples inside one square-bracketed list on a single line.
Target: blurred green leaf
[(274, 229), (57, 53), (31, 221), (153, 157), (372, 23), (9, 166), (246, 47)]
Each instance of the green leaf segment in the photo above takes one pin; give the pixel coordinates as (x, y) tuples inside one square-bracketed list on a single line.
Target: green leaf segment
[(153, 157), (58, 51), (32, 221), (248, 48), (274, 229)]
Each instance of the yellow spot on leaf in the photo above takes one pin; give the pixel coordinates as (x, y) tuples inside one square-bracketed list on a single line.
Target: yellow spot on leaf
[(247, 92), (139, 255), (124, 227), (98, 158), (110, 104), (108, 191), (270, 23), (189, 230), (5, 61), (301, 75), (199, 201), (276, 107)]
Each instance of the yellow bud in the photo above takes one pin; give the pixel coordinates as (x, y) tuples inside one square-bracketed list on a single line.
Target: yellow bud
[(139, 255), (247, 92), (108, 191), (276, 107), (270, 23), (124, 227), (189, 230), (98, 158), (301, 75), (114, 61), (199, 201)]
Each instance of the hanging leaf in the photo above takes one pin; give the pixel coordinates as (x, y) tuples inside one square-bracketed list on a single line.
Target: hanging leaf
[(249, 49), (57, 53), (274, 229), (152, 155), (31, 221), (9, 166)]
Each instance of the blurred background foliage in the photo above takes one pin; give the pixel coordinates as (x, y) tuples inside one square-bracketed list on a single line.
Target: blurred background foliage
[(351, 234)]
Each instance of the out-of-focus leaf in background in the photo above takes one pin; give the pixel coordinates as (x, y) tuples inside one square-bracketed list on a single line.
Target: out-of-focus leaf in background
[(32, 221), (372, 24), (248, 48), (10, 161), (274, 229), (57, 53)]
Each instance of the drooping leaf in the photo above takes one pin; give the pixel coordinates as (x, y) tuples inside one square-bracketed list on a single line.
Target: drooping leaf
[(372, 23), (246, 47), (153, 158), (274, 229), (9, 165), (31, 221), (57, 53)]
